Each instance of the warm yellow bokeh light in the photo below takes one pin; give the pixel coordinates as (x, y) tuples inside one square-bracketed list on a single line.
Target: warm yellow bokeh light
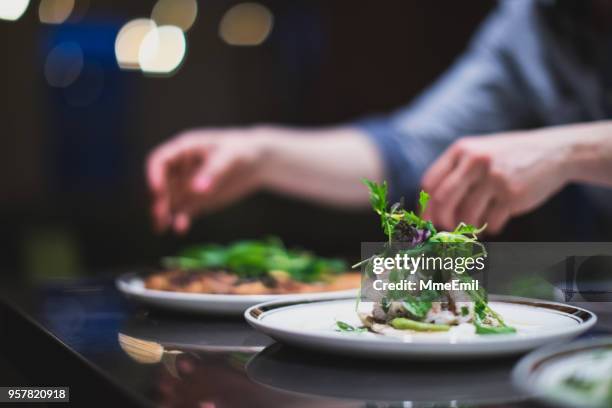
[(246, 24), (162, 50), (179, 13), (12, 9), (64, 64), (55, 11), (129, 40)]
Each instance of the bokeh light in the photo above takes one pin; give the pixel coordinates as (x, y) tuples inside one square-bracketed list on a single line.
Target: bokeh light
[(12, 9), (162, 50), (64, 64), (129, 40), (246, 24), (55, 11), (179, 13)]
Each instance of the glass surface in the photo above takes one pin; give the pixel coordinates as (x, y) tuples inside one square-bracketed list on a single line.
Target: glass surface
[(174, 360)]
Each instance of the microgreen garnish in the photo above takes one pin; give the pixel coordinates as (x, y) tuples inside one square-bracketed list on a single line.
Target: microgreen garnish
[(345, 327)]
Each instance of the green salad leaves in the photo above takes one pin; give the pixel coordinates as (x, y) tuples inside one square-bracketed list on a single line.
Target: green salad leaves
[(394, 217), (256, 259)]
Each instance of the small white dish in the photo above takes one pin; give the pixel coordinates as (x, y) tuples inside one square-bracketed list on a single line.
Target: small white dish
[(541, 373), (132, 285), (312, 324)]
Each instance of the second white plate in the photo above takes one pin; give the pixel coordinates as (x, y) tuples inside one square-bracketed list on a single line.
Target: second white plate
[(132, 285), (312, 324)]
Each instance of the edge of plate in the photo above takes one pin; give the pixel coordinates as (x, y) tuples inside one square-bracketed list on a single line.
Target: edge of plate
[(586, 316), (587, 319), (123, 284), (528, 365)]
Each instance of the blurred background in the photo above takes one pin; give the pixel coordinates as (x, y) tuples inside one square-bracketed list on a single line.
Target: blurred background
[(90, 86)]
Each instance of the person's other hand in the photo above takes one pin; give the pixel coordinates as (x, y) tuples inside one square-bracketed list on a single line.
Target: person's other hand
[(490, 179), (200, 171)]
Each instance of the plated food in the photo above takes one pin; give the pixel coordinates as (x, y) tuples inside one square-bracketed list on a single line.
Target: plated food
[(441, 321), (251, 268), (217, 279), (572, 375), (457, 301), (314, 325)]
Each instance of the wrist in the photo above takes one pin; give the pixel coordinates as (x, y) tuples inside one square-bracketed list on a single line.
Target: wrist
[(266, 141), (587, 154)]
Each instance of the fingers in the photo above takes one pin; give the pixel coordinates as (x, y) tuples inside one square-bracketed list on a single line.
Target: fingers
[(168, 167), (159, 160), (194, 174), (181, 223), (212, 171), (473, 209), (232, 186), (440, 169), (453, 190), (195, 189), (160, 211), (157, 166)]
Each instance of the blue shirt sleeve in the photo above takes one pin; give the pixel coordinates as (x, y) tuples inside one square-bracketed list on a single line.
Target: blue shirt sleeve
[(482, 93)]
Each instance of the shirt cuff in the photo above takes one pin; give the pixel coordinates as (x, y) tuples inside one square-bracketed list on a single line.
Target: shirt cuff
[(400, 174)]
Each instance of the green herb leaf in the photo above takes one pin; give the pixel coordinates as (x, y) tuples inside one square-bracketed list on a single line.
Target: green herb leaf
[(345, 327), (468, 229), (419, 306), (481, 312), (423, 200), (378, 195)]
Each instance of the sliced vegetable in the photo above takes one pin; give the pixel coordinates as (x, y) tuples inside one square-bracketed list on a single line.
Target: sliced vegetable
[(402, 323)]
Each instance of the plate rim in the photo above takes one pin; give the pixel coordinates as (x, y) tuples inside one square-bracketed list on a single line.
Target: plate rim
[(124, 285), (255, 314), (525, 369)]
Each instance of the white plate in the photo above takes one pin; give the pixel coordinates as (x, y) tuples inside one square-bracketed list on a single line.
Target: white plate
[(313, 325), (538, 372), (133, 286)]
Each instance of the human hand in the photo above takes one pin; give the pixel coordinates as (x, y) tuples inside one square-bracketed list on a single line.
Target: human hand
[(202, 170), (491, 179)]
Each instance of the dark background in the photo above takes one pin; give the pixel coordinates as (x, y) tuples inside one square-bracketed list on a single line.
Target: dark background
[(74, 199)]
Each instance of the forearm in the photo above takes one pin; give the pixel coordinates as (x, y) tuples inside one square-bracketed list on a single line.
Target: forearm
[(323, 165)]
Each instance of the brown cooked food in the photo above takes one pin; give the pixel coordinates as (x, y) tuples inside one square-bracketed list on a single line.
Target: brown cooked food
[(221, 282), (251, 267)]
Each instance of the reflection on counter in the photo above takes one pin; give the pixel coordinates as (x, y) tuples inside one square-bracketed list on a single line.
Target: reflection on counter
[(390, 383), (185, 332)]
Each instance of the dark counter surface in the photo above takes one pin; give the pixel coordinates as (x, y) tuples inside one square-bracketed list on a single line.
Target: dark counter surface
[(86, 335)]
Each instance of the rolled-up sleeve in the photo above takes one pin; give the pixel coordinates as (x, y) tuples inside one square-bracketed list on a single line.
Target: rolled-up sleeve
[(482, 93)]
